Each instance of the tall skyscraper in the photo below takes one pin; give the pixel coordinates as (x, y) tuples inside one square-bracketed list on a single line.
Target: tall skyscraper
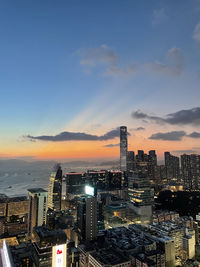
[(190, 166), (55, 188), (172, 166), (123, 148), (153, 157), (37, 208), (152, 163), (87, 216)]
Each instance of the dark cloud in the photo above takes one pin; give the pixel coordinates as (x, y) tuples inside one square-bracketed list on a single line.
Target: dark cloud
[(74, 136), (112, 145), (169, 136), (141, 115), (188, 116), (138, 129), (186, 151), (194, 135)]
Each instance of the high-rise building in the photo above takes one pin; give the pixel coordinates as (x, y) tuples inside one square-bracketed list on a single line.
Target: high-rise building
[(172, 166), (97, 179), (50, 247), (123, 148), (75, 182), (140, 155), (189, 246), (153, 157), (142, 162), (190, 166), (13, 215), (37, 208), (130, 161), (152, 163), (140, 193), (114, 180), (55, 188), (87, 216)]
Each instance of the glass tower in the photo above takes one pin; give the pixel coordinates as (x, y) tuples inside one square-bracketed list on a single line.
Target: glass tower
[(55, 189)]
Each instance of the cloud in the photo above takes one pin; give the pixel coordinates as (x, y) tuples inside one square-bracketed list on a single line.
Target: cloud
[(196, 33), (159, 16), (112, 145), (169, 136), (186, 151), (116, 70), (97, 55), (174, 64), (104, 55), (138, 129), (76, 136), (141, 115), (194, 135), (183, 117)]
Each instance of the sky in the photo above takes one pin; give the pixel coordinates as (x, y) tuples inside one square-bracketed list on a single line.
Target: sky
[(72, 72)]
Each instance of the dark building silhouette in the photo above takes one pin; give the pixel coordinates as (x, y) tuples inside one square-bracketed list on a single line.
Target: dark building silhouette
[(152, 163), (75, 182), (130, 161)]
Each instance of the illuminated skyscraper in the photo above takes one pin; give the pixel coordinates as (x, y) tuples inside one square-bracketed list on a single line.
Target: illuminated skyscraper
[(123, 148), (55, 189)]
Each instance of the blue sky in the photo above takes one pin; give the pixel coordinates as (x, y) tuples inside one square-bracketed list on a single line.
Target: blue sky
[(85, 66)]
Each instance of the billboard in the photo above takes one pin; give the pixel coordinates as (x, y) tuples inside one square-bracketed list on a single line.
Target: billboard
[(89, 190), (59, 256)]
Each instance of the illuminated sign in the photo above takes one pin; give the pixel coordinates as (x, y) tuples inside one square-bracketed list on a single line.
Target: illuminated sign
[(59, 256), (89, 190), (59, 252)]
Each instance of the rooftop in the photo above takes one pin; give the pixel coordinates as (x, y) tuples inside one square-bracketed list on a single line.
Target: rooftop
[(109, 256), (36, 190)]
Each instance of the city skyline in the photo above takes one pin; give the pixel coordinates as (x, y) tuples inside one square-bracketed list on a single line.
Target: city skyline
[(65, 75)]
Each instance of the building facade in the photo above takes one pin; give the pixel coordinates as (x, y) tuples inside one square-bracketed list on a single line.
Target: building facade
[(87, 217), (37, 208), (190, 166)]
